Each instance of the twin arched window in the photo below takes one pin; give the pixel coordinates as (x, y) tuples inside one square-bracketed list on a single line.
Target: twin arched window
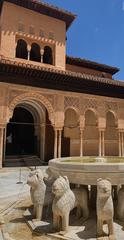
[(35, 55)]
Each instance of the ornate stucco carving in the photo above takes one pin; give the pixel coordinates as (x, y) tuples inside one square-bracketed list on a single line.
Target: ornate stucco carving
[(111, 106), (72, 102), (88, 103), (32, 96)]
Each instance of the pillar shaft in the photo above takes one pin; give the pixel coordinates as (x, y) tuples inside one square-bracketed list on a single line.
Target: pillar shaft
[(59, 143), (120, 152), (81, 142), (55, 142), (100, 143), (29, 50), (122, 143), (1, 146), (103, 143)]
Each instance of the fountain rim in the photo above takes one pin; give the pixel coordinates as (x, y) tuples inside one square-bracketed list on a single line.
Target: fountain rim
[(61, 161)]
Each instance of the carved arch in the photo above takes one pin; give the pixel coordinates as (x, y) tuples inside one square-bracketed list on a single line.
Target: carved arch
[(114, 114), (36, 98), (92, 110)]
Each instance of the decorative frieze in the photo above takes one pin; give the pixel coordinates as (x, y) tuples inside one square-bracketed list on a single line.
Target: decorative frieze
[(71, 102)]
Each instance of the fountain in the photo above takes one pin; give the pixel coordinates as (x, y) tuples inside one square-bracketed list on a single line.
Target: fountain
[(81, 183), (86, 170)]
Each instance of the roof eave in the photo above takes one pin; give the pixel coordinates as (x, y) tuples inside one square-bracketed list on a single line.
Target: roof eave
[(90, 64)]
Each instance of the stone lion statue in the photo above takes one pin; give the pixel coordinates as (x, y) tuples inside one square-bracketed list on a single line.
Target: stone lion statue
[(65, 200), (120, 205), (37, 191), (104, 207)]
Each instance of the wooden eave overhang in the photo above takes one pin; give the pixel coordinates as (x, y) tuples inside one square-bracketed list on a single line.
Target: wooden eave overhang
[(44, 8), (15, 72), (91, 64)]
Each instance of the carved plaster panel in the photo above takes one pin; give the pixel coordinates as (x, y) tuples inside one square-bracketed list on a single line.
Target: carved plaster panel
[(88, 103), (111, 106), (73, 102), (50, 97), (14, 93)]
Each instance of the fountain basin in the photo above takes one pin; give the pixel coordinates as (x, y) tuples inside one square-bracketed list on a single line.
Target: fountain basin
[(86, 170)]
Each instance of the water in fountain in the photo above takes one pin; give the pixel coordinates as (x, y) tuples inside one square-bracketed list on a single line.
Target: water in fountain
[(101, 160)]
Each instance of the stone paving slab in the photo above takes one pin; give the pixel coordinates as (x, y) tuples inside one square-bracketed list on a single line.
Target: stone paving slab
[(77, 231)]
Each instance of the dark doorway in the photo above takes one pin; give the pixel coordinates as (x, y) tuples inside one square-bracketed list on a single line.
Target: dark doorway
[(20, 138)]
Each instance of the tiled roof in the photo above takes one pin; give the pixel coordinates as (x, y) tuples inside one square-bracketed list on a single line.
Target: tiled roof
[(91, 64), (44, 8), (46, 68)]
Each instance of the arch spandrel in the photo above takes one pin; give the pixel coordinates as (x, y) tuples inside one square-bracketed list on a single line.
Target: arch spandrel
[(35, 97)]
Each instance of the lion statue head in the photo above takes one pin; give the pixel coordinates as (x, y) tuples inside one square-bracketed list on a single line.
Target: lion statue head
[(60, 186), (35, 177), (104, 187)]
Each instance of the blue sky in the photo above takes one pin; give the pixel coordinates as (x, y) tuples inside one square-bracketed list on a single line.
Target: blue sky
[(98, 32)]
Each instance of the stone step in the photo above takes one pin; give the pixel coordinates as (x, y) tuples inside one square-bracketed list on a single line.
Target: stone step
[(23, 161)]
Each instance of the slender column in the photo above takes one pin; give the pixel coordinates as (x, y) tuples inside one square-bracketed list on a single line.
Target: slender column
[(120, 152), (122, 137), (60, 143), (4, 147), (29, 50), (103, 143), (81, 142), (55, 142), (1, 146), (42, 53), (100, 143)]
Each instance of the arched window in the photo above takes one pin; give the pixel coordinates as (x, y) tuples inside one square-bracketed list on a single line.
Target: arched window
[(91, 134), (35, 53), (21, 49), (48, 56), (111, 135)]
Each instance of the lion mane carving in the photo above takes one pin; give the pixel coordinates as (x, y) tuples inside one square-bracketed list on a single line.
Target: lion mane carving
[(104, 206), (65, 200), (37, 191)]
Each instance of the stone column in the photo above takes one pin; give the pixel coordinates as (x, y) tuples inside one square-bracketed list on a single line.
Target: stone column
[(81, 142), (29, 50), (103, 143), (42, 53), (59, 143), (100, 143), (120, 152), (1, 145), (55, 142), (122, 143), (4, 147)]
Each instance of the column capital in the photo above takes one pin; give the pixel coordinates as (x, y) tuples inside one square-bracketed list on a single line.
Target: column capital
[(81, 129), (29, 47), (101, 129), (2, 125), (120, 130), (58, 128), (42, 51)]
